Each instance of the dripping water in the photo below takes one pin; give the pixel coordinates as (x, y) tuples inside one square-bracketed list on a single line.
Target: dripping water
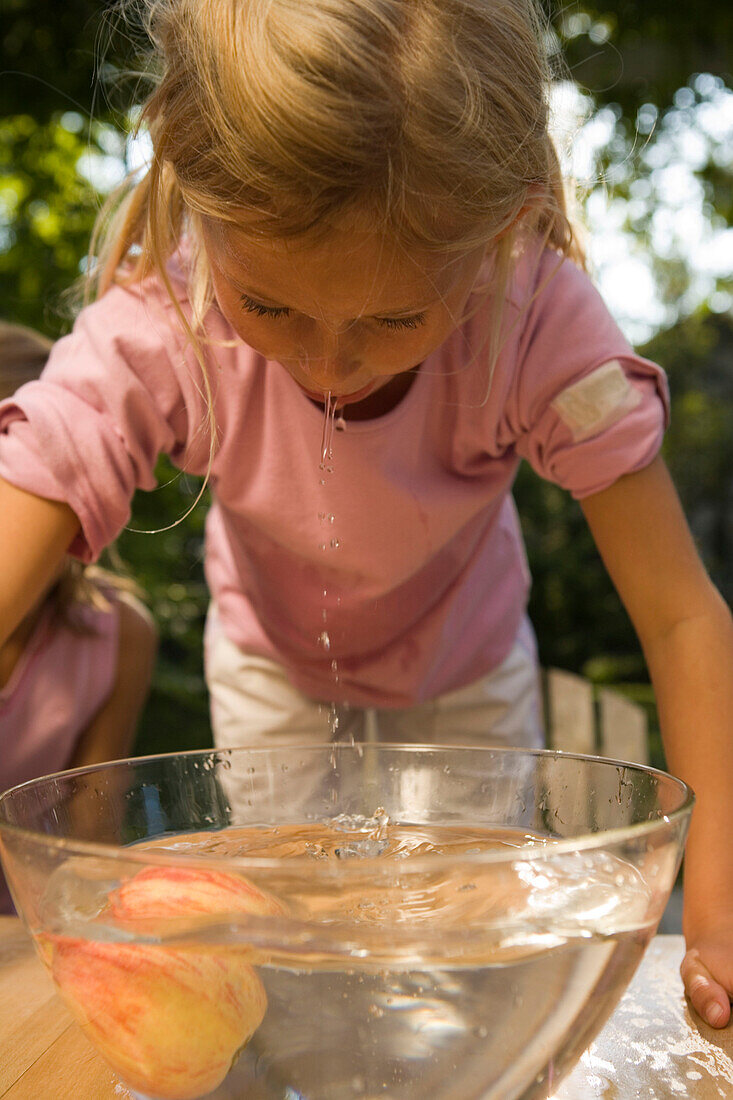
[(327, 437), (330, 541)]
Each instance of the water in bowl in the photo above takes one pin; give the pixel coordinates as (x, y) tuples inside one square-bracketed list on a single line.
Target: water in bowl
[(479, 981)]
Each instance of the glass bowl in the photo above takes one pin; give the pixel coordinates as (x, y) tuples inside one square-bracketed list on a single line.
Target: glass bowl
[(346, 921)]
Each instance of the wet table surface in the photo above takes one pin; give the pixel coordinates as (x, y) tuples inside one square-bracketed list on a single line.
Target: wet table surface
[(654, 1047)]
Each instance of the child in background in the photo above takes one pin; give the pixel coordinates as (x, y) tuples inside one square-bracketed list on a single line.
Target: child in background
[(355, 206), (75, 672)]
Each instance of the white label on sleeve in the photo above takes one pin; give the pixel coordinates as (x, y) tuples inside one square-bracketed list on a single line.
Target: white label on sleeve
[(596, 401)]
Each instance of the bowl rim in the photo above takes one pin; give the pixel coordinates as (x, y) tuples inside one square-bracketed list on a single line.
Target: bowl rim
[(137, 853)]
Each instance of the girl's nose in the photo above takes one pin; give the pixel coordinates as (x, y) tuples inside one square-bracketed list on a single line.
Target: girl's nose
[(328, 374), (329, 336), (327, 346), (326, 353)]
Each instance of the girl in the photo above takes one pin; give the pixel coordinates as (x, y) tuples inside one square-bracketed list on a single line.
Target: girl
[(354, 206), (75, 671)]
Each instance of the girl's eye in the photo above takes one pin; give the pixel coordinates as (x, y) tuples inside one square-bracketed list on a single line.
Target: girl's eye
[(261, 310), (402, 322)]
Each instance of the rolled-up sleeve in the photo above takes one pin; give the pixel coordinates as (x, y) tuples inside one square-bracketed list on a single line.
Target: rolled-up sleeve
[(588, 409), (116, 392)]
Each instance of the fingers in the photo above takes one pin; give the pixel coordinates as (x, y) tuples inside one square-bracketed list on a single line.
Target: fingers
[(709, 999)]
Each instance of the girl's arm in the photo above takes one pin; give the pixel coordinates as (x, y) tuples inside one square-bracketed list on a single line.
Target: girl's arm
[(34, 536), (111, 733), (686, 632)]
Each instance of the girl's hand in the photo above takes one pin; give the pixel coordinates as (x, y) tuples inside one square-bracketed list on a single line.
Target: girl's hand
[(707, 971)]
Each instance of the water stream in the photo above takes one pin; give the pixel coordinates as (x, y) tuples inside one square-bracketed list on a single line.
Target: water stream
[(329, 541)]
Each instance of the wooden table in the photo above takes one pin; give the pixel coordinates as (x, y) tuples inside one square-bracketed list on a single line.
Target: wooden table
[(653, 1048)]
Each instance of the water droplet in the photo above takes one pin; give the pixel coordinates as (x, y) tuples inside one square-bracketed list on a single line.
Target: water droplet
[(329, 413), (317, 851), (335, 544), (324, 640)]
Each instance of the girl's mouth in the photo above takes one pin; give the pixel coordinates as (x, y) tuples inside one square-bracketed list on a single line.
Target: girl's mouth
[(341, 399)]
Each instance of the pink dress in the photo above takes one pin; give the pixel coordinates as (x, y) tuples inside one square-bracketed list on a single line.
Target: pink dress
[(425, 582), (55, 690)]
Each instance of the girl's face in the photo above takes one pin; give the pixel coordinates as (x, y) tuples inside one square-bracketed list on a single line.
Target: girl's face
[(345, 314)]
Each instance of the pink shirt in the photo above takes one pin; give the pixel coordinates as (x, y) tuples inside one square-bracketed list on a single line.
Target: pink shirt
[(55, 690), (428, 583), (60, 682)]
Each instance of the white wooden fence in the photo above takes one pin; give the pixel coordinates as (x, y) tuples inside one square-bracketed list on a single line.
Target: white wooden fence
[(603, 722)]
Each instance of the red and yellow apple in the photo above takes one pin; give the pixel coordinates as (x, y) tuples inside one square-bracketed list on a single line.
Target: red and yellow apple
[(159, 893), (170, 1020)]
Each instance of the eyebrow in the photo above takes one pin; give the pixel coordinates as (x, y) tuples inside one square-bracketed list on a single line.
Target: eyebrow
[(266, 300)]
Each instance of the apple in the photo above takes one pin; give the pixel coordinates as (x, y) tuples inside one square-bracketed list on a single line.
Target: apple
[(157, 893), (171, 1020)]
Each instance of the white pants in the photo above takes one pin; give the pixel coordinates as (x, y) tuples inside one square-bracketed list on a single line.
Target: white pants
[(254, 704)]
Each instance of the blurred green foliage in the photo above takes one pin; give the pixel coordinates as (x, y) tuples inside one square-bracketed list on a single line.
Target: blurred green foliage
[(46, 211), (168, 564), (641, 51), (52, 54), (634, 56)]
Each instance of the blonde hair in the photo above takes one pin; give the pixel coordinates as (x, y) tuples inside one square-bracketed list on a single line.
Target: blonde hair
[(432, 115), (23, 355)]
